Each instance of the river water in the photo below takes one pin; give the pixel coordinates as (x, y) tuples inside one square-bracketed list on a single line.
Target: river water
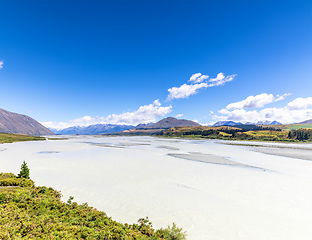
[(209, 188)]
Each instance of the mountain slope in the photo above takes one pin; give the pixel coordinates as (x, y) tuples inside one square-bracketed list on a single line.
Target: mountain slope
[(143, 125), (17, 123), (170, 122), (306, 122)]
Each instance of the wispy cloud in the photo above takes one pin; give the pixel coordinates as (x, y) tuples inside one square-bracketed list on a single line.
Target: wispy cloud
[(198, 78), (179, 115), (221, 79), (297, 110), (144, 114), (198, 81), (279, 98), (1, 64)]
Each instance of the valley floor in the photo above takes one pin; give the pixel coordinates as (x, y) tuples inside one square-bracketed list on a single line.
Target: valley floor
[(211, 190)]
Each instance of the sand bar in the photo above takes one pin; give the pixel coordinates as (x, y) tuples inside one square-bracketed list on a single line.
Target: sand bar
[(303, 154), (208, 158)]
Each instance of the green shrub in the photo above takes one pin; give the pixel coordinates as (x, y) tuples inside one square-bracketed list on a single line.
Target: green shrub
[(43, 189), (7, 175), (21, 182), (172, 233), (70, 200)]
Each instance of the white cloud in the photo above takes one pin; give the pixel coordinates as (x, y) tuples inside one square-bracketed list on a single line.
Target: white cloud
[(185, 90), (145, 114), (198, 78), (298, 110), (195, 76), (219, 77), (198, 82), (157, 103), (257, 101), (179, 115), (1, 64), (300, 103)]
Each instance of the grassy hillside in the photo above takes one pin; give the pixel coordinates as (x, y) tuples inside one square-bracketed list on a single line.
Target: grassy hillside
[(9, 138), (292, 126), (300, 126), (234, 133), (30, 212)]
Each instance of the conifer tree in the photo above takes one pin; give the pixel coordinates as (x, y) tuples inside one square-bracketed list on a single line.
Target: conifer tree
[(24, 173)]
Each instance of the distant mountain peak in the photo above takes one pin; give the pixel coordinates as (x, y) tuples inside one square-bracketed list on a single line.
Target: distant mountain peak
[(275, 123), (268, 123), (170, 122)]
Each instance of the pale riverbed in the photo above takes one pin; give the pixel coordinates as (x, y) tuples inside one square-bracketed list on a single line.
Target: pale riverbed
[(211, 190)]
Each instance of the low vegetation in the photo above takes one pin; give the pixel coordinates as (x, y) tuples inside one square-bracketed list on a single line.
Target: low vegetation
[(31, 212), (10, 138), (58, 138)]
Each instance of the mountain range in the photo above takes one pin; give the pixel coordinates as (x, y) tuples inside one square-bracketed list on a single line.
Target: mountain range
[(17, 123), (165, 123), (231, 123), (111, 128), (93, 129)]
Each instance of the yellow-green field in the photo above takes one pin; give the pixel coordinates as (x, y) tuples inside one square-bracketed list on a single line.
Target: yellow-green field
[(261, 134), (9, 138)]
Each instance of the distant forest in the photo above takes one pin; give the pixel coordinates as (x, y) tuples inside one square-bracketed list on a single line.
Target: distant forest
[(249, 132)]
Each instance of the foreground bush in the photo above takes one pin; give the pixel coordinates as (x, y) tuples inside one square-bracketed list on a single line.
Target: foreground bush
[(30, 212)]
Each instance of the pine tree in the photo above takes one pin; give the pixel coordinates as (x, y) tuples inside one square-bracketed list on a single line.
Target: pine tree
[(24, 173)]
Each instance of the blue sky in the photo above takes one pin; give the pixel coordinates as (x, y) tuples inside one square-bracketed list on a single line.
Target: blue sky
[(83, 62)]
